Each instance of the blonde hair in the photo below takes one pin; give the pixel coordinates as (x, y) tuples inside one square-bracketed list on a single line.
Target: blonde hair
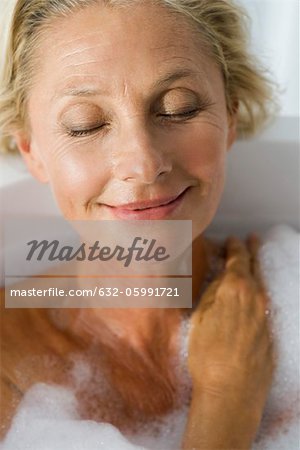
[(222, 24)]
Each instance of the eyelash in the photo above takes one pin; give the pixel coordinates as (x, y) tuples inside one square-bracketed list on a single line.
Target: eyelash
[(183, 116), (80, 133)]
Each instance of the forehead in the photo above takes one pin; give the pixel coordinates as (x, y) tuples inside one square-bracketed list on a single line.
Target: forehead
[(135, 43)]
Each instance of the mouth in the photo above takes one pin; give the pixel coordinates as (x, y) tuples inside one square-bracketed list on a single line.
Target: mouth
[(151, 209)]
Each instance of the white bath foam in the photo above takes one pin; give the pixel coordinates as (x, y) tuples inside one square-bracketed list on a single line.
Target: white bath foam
[(47, 418), (279, 258), (165, 434)]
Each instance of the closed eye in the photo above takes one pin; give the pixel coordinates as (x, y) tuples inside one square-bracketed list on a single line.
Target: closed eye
[(183, 114), (84, 132)]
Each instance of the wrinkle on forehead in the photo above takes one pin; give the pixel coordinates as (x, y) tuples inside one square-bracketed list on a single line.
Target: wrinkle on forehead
[(83, 63), (81, 50), (125, 88)]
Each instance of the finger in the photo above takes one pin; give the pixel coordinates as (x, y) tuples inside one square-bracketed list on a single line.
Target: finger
[(237, 256), (254, 244)]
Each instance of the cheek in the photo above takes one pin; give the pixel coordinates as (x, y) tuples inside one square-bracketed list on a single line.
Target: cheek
[(204, 154), (71, 180), (75, 175)]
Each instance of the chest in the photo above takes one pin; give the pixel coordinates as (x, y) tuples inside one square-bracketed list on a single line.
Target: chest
[(127, 386)]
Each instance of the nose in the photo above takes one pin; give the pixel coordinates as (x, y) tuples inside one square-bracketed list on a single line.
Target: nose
[(141, 157)]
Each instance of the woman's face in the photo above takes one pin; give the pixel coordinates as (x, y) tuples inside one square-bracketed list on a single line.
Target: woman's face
[(127, 107)]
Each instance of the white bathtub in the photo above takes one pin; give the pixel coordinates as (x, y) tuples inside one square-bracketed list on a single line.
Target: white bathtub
[(262, 185)]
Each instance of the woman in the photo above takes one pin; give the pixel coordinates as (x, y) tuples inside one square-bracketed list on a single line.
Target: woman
[(123, 107)]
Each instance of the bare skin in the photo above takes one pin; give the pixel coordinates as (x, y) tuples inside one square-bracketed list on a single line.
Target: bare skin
[(142, 380)]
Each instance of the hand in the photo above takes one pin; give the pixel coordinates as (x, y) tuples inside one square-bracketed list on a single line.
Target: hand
[(230, 347)]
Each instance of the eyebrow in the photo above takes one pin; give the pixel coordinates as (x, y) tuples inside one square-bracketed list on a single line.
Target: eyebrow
[(171, 77), (168, 79)]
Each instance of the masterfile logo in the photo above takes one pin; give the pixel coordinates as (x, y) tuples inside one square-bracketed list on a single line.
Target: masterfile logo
[(61, 264), (52, 251)]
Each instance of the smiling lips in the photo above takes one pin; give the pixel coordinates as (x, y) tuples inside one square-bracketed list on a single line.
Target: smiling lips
[(152, 209)]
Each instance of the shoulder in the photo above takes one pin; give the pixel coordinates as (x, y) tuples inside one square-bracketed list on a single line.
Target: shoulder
[(32, 349)]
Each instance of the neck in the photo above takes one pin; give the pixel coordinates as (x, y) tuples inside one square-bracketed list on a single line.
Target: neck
[(136, 325)]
